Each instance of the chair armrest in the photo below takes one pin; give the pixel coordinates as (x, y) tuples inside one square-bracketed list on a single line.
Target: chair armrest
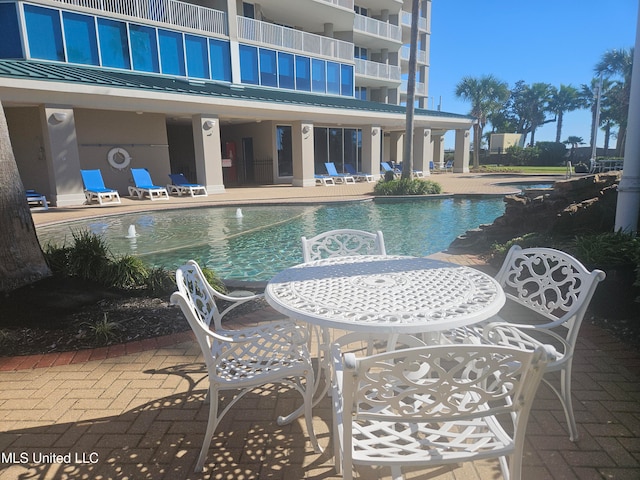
[(502, 333), (297, 334), (236, 301)]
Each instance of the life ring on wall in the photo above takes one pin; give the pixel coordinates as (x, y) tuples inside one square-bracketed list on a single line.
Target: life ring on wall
[(119, 158)]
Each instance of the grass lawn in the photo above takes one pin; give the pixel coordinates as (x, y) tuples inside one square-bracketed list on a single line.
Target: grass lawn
[(523, 169)]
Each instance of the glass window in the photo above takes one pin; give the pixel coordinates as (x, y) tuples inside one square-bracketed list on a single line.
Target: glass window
[(268, 69), (10, 46), (249, 64), (320, 149), (113, 43), (333, 78), (359, 52), (318, 76), (197, 56), (171, 52), (286, 69), (346, 80), (220, 60), (336, 148), (285, 151), (303, 73), (248, 10), (80, 37), (44, 33), (144, 48), (351, 149)]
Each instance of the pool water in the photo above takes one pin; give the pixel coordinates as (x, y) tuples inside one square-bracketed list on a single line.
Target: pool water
[(266, 239)]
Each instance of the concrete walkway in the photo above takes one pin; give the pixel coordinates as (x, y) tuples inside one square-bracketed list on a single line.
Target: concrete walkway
[(138, 411)]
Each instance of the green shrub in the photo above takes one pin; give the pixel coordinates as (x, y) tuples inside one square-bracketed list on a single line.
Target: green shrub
[(104, 330), (406, 186), (126, 273), (608, 249), (551, 153), (214, 280), (160, 281)]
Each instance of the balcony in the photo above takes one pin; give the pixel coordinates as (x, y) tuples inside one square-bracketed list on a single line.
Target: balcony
[(276, 36), (376, 74), (373, 33), (341, 3), (406, 21), (170, 12), (421, 55), (421, 88)]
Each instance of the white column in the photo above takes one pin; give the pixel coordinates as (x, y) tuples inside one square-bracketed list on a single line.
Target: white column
[(461, 154), (303, 154), (629, 189), (438, 150), (208, 152), (234, 47), (422, 152), (371, 135)]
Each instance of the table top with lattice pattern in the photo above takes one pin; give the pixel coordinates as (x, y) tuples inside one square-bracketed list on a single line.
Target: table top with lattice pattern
[(385, 294)]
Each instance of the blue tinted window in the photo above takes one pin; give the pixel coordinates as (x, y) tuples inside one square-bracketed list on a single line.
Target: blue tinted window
[(197, 56), (10, 46), (268, 75), (346, 80), (113, 43), (144, 48), (248, 64), (220, 60), (286, 76), (171, 52), (333, 78), (303, 73), (80, 36), (318, 76), (44, 33)]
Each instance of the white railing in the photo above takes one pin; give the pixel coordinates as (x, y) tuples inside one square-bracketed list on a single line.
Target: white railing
[(264, 33), (421, 88), (406, 21), (421, 55), (341, 3), (378, 28), (377, 70), (171, 12)]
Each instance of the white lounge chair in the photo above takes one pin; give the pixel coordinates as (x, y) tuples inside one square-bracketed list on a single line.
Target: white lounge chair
[(144, 186), (36, 199), (387, 168), (433, 405), (243, 359), (94, 189), (359, 176), (180, 186), (324, 180), (338, 177)]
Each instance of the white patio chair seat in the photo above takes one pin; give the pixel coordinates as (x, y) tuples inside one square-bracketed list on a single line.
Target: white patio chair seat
[(557, 287), (273, 352), (433, 405), (342, 242)]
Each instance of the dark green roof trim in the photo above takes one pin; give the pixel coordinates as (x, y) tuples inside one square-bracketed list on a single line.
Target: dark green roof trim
[(58, 72)]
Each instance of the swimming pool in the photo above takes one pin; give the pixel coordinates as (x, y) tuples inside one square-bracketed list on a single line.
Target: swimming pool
[(266, 239)]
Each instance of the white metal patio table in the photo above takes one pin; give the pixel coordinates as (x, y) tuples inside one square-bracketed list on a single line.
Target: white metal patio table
[(383, 294)]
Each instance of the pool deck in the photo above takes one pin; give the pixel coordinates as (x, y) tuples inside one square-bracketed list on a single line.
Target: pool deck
[(138, 410)]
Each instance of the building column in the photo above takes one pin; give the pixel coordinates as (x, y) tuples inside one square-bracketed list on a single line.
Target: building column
[(461, 154), (303, 154), (371, 135), (63, 158), (208, 152), (422, 149), (234, 47), (438, 150), (395, 146)]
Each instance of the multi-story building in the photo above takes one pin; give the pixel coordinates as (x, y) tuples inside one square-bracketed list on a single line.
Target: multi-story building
[(226, 92)]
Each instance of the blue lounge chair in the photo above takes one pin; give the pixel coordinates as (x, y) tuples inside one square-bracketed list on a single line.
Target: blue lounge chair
[(448, 167), (359, 176), (416, 173), (338, 177), (36, 199), (387, 168), (324, 180), (144, 186), (180, 185), (94, 188)]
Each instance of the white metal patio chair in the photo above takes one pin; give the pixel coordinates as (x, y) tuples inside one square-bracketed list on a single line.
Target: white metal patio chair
[(558, 288), (343, 242), (433, 405), (243, 359)]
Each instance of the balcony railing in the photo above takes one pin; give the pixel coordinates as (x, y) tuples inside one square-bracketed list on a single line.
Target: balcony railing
[(378, 28), (421, 88), (283, 37), (377, 70), (172, 12), (406, 21), (421, 55), (341, 3)]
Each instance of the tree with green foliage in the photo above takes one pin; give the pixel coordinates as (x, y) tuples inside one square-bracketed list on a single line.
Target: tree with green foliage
[(574, 141), (564, 99), (487, 95), (618, 63), (529, 105)]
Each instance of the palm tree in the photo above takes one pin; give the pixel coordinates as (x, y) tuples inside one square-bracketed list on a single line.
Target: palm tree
[(21, 258), (487, 95), (564, 99), (619, 63), (574, 142), (530, 105)]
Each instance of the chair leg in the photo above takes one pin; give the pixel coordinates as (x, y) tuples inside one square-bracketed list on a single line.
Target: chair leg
[(212, 423), (308, 413), (565, 389)]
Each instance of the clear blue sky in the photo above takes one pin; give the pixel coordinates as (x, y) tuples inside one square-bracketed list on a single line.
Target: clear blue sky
[(550, 41)]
